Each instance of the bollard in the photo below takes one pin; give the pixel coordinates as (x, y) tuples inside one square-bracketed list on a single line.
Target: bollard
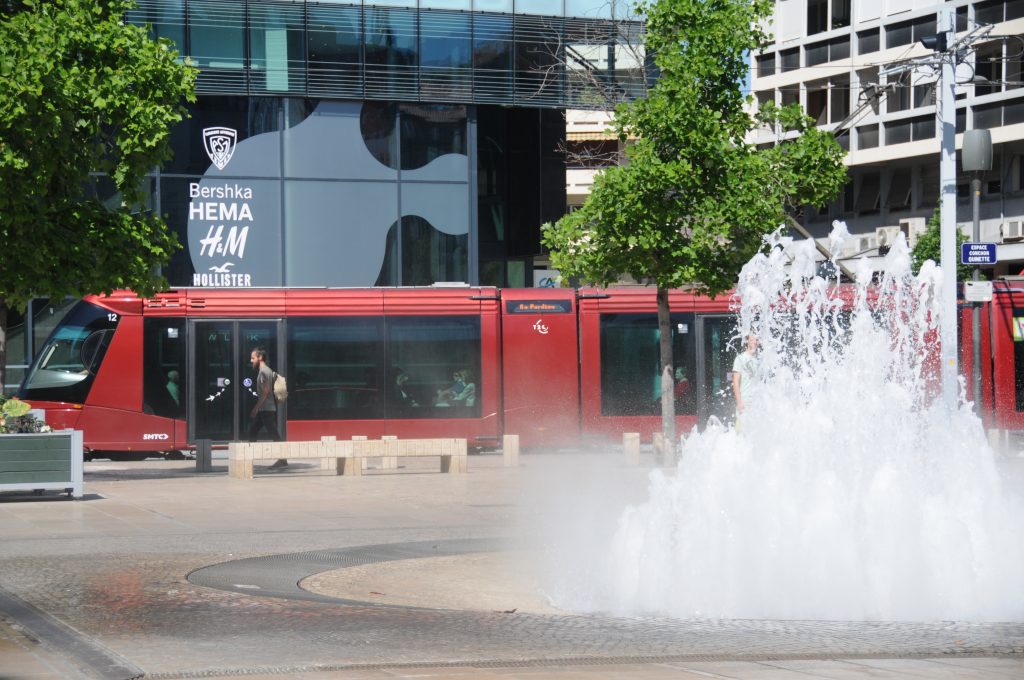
[(510, 450), (389, 462), (204, 455), (328, 464), (631, 447), (658, 445)]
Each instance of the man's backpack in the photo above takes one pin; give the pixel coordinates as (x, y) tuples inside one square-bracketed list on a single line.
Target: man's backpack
[(280, 388)]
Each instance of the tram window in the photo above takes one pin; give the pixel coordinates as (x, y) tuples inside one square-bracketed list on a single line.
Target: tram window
[(434, 367), (335, 368), (163, 367), (631, 365), (65, 367)]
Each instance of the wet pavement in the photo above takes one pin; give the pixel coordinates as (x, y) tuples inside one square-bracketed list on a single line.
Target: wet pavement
[(162, 572)]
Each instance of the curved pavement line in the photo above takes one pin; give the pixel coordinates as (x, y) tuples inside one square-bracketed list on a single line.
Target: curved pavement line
[(280, 575), (90, 657)]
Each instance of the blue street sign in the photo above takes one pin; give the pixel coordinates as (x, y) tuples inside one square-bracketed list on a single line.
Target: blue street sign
[(978, 253)]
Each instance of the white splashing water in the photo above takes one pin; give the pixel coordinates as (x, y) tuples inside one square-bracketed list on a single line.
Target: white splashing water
[(847, 493)]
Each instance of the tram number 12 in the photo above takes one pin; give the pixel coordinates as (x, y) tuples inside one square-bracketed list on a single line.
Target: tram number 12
[(112, 318)]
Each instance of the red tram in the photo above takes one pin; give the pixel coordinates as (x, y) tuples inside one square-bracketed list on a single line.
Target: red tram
[(142, 376), (555, 366)]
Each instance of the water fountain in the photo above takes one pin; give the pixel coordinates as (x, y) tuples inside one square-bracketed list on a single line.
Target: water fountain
[(845, 492)]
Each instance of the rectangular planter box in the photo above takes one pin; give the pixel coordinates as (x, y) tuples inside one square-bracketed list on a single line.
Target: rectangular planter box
[(51, 460)]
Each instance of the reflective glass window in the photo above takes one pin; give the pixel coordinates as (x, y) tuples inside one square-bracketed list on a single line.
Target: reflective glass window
[(335, 368), (539, 50), (631, 365), (897, 133), (166, 19), (430, 131), (336, 231), (899, 34), (430, 255), (434, 367), (446, 56), (277, 46), (189, 152), (492, 58), (67, 364), (217, 44), (163, 367), (378, 125), (335, 49), (391, 52), (868, 41)]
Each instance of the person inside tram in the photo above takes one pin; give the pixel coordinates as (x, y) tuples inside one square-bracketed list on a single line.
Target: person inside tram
[(445, 395), (172, 387), (400, 395), (467, 395)]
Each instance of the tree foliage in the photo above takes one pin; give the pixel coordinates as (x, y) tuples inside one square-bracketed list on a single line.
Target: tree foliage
[(81, 92), (929, 247), (695, 198)]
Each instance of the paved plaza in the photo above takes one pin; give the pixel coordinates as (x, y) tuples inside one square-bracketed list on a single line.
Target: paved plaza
[(163, 572)]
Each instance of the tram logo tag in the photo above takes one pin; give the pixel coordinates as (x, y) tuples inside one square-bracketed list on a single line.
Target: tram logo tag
[(155, 435), (220, 145), (541, 327)]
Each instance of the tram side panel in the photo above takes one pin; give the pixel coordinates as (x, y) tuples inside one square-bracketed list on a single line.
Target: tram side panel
[(1006, 325), (620, 378), (540, 366)]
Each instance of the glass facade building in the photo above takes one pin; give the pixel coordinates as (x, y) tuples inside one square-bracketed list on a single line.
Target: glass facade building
[(391, 142)]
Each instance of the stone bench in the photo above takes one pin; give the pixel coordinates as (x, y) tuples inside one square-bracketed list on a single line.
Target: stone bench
[(346, 457)]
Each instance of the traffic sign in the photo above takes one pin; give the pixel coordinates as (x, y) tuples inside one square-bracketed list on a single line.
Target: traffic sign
[(978, 253)]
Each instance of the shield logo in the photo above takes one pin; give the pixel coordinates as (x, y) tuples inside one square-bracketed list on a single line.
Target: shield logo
[(220, 145)]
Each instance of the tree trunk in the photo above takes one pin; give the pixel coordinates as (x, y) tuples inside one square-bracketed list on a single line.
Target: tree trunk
[(3, 343), (668, 406)]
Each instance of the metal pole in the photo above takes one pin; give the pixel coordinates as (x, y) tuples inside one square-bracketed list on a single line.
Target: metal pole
[(976, 306), (947, 180)]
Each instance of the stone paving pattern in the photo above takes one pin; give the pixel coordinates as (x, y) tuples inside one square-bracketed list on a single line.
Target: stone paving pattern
[(113, 570)]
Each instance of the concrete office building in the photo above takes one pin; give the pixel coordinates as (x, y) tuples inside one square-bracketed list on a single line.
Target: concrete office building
[(827, 56)]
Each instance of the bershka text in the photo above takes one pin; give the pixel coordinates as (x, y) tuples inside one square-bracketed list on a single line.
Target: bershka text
[(221, 191)]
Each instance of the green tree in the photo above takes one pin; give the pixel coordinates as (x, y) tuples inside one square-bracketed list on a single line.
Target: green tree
[(81, 91), (929, 247), (695, 199)]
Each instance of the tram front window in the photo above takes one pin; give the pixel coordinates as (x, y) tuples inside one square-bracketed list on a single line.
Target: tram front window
[(65, 367)]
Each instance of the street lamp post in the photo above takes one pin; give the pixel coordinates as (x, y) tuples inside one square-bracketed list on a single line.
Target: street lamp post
[(977, 158), (947, 180)]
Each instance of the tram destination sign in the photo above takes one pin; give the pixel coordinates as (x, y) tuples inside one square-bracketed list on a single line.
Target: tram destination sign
[(978, 253)]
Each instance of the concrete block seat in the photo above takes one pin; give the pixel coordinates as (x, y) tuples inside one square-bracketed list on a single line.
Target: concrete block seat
[(346, 457)]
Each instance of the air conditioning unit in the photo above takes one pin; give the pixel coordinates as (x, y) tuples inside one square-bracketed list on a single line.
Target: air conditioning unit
[(887, 235), (1012, 231), (912, 228), (865, 243)]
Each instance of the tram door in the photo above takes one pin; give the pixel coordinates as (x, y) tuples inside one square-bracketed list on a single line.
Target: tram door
[(718, 348), (223, 382)]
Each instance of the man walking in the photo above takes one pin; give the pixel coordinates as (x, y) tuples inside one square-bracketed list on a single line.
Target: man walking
[(264, 413)]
